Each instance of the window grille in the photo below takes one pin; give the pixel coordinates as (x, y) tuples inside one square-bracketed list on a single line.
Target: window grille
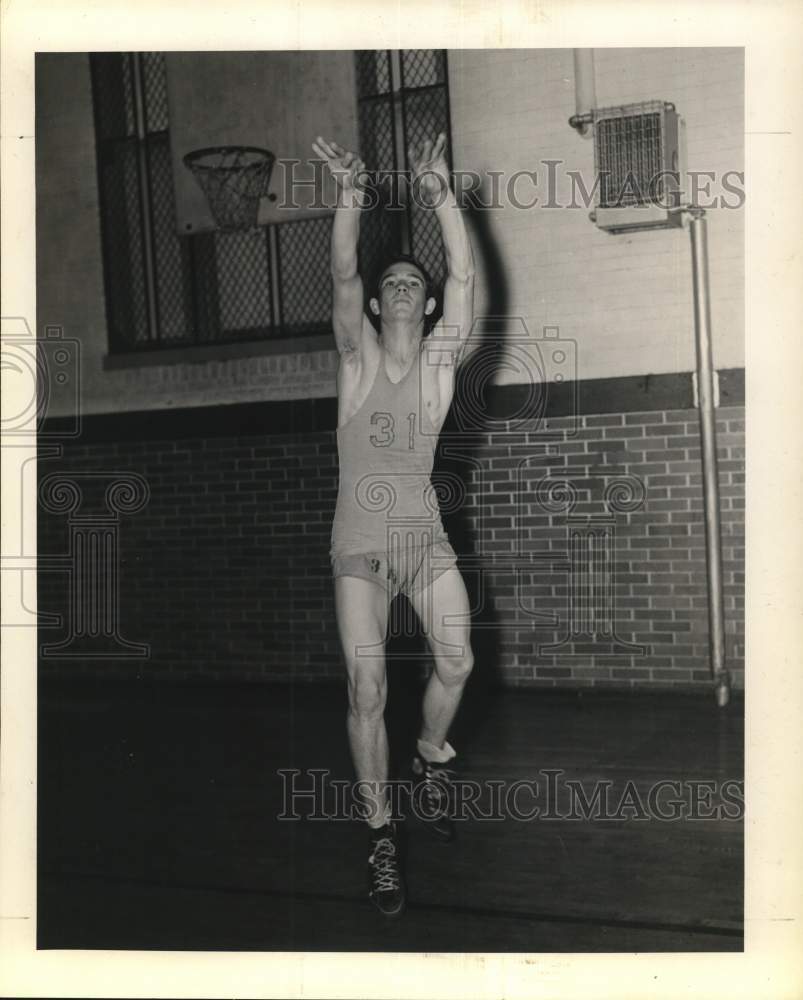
[(165, 289), (403, 99)]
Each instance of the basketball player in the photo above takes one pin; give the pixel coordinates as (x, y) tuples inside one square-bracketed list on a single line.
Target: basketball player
[(394, 391)]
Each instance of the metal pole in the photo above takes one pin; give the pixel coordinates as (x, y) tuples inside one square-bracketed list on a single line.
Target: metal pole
[(705, 393), (585, 91)]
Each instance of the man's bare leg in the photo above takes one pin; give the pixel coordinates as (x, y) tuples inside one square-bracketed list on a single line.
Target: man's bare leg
[(441, 701), (362, 616), (443, 609)]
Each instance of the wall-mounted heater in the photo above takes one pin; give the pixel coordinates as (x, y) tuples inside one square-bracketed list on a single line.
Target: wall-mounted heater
[(638, 163)]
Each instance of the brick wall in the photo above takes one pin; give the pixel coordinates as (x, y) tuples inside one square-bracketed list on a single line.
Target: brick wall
[(659, 599), (225, 574)]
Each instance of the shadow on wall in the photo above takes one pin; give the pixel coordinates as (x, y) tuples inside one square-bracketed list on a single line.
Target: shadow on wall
[(455, 478)]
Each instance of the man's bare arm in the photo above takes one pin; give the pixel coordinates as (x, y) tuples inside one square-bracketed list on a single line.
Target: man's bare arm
[(458, 290), (347, 309), (432, 187)]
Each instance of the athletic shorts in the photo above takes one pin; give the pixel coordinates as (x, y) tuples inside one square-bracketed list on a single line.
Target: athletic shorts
[(405, 571)]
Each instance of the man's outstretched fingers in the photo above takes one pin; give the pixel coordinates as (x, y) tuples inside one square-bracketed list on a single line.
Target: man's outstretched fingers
[(326, 149), (323, 149)]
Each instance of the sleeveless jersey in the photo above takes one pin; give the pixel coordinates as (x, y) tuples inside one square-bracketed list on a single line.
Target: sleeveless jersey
[(386, 450)]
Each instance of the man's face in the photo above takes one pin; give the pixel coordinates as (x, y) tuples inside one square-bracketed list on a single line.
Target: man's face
[(402, 294)]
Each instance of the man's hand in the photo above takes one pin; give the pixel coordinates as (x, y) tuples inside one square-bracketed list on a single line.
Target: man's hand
[(430, 172), (346, 168)]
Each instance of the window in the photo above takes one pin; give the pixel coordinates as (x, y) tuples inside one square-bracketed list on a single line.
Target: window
[(403, 98), (165, 289)]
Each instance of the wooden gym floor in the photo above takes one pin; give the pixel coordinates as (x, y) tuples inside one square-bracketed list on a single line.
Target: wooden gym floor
[(158, 829)]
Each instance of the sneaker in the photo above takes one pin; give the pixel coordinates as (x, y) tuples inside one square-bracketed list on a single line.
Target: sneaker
[(384, 871), (433, 797)]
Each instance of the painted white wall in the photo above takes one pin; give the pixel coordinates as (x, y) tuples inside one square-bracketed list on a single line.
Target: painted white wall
[(626, 300)]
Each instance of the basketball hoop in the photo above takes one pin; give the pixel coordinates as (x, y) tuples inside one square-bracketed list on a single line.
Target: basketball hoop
[(233, 179)]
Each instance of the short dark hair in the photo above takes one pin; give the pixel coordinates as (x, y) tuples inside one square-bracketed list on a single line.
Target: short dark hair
[(403, 258), (430, 289)]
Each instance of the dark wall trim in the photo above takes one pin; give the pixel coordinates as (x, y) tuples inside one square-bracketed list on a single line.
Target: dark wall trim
[(631, 394), (731, 387), (201, 354)]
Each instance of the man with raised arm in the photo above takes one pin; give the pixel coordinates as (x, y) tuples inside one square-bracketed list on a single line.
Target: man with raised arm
[(395, 388)]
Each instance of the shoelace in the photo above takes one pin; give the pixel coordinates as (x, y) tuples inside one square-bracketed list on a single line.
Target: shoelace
[(383, 862), (443, 774), (437, 781)]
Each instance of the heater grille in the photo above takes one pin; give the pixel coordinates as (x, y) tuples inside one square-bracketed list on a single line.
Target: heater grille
[(629, 157), (637, 162)]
